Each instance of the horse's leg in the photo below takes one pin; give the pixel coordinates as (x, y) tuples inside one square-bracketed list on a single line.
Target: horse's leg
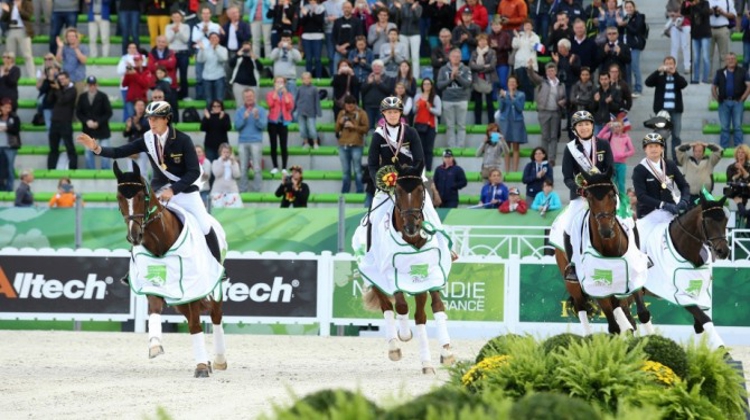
[(623, 321), (394, 351), (575, 292), (155, 306), (200, 354), (220, 349), (644, 315), (704, 324), (420, 318), (606, 306), (402, 316), (438, 311)]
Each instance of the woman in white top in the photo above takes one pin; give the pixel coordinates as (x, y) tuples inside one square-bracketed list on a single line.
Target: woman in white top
[(524, 47), (226, 170), (206, 175), (122, 67)]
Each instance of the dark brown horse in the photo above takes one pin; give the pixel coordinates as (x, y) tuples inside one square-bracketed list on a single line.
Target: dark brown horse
[(408, 218), (155, 228), (607, 237)]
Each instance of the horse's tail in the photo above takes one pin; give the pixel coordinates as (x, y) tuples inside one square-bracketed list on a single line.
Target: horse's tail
[(371, 299)]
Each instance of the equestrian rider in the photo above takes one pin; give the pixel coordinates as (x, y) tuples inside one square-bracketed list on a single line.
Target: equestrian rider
[(660, 187), (584, 153), (174, 162)]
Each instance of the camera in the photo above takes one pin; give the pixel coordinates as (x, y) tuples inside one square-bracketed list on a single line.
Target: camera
[(737, 189), (128, 68)]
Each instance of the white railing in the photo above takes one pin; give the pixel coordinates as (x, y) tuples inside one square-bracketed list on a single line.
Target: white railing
[(499, 241), (740, 241)]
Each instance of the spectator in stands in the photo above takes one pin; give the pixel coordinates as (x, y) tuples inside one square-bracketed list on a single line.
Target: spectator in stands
[(524, 43), (361, 59), (547, 199), (98, 19), (127, 61), (399, 91), (345, 30), (334, 10), (731, 86), (449, 178), (246, 71), (213, 57), (73, 56), (161, 55), (699, 167), (24, 196), (514, 203), (177, 34), (613, 51), (285, 58), (560, 30), (607, 102), (494, 191), (135, 127), (634, 28), (739, 170), (479, 14), (441, 14), (216, 124), (260, 26), (293, 190), (723, 11), (483, 65), (312, 20), (582, 46), (205, 189), (405, 77), (16, 21), (351, 126), (568, 65), (441, 53), (582, 93), (393, 53), (408, 15), (94, 112), (10, 142), (622, 148), (615, 79), (743, 213), (63, 97), (510, 120), (226, 170), (464, 34), (516, 12), (44, 97), (500, 42), (282, 16), (199, 37), (699, 12), (137, 80), (454, 81), (492, 150), (280, 106), (633, 200), (9, 76), (307, 107), (551, 104), (345, 83), (164, 83), (538, 13), (129, 20), (64, 14), (250, 120), (65, 196), (668, 96), (427, 108), (377, 35), (234, 32), (157, 16), (42, 12), (363, 12), (377, 87), (536, 173), (610, 15)]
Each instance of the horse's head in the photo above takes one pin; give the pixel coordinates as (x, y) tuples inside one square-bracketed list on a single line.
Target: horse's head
[(601, 194), (135, 201), (409, 199), (714, 225)]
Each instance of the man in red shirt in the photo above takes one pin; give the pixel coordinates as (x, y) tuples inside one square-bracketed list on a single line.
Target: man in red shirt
[(479, 14), (516, 13)]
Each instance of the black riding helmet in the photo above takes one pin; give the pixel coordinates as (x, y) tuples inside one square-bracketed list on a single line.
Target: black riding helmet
[(581, 116), (653, 138)]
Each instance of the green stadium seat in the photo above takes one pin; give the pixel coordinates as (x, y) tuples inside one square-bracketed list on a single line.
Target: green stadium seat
[(716, 129), (714, 105)]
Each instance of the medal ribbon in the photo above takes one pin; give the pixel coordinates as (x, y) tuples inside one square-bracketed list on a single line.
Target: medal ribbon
[(388, 141), (160, 151), (592, 159), (656, 174)]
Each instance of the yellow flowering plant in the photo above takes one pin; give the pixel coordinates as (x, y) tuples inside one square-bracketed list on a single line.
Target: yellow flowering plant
[(386, 178)]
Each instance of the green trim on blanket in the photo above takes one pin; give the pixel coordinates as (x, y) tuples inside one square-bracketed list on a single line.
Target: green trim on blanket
[(677, 289), (598, 255), (430, 228)]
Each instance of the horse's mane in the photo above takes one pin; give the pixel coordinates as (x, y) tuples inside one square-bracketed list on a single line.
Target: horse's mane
[(128, 184), (409, 177)]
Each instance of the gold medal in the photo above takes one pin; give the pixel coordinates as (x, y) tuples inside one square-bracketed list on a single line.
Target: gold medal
[(394, 159), (164, 167), (663, 185)]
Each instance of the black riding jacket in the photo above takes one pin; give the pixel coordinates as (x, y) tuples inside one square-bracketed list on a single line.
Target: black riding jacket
[(380, 153), (648, 188)]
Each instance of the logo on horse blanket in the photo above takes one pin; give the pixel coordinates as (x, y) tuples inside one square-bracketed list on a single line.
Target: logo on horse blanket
[(419, 272), (602, 276), (694, 287), (157, 274)]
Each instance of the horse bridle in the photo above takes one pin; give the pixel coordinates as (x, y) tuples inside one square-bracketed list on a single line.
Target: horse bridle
[(409, 211), (601, 215), (152, 213), (706, 241)]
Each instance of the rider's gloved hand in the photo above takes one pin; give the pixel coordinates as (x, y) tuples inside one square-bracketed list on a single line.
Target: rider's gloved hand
[(683, 206), (670, 207)]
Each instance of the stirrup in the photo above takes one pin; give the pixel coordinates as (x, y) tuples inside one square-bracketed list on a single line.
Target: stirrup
[(125, 279), (570, 273)]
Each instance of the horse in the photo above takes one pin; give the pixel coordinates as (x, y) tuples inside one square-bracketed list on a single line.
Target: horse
[(696, 236), (408, 219), (156, 229), (608, 237)]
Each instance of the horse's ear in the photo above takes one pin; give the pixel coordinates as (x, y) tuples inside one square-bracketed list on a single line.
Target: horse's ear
[(137, 170), (723, 200), (116, 169)]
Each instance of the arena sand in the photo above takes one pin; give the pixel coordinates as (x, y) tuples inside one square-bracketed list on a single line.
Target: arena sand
[(87, 375)]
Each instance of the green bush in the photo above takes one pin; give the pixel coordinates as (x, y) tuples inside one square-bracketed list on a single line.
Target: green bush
[(680, 402), (560, 341), (442, 400), (719, 382), (552, 406), (528, 369), (340, 404), (497, 345), (665, 351)]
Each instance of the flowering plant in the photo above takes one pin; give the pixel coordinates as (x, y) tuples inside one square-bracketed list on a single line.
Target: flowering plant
[(386, 178)]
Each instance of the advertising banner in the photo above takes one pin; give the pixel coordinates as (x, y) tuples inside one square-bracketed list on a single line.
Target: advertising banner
[(475, 292), (271, 288), (730, 296), (80, 285)]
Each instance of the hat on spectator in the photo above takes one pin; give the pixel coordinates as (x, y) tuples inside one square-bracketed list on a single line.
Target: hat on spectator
[(447, 153), (286, 34), (513, 191), (137, 57), (467, 11), (91, 80)]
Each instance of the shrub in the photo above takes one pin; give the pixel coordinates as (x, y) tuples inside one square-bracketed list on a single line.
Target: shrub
[(660, 373), (680, 402), (665, 351), (446, 399), (560, 341), (719, 382), (328, 403), (474, 378), (528, 370), (551, 406), (497, 345)]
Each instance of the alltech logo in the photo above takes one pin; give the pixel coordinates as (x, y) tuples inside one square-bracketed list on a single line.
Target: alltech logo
[(35, 286)]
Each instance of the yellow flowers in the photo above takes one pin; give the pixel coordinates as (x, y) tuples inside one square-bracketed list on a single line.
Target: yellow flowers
[(385, 178), (479, 371), (389, 179), (661, 373)]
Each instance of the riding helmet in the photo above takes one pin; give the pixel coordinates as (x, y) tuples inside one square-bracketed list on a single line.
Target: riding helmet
[(391, 102), (159, 109), (581, 116), (653, 138)]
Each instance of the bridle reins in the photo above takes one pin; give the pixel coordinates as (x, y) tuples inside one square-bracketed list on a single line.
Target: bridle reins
[(706, 240), (412, 210), (152, 213), (602, 214)]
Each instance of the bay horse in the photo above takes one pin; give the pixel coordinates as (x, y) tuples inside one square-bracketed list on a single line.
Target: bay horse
[(407, 218), (609, 239), (155, 228)]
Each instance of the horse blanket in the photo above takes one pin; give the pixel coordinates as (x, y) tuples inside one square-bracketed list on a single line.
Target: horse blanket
[(187, 272), (606, 276), (672, 277), (393, 265)]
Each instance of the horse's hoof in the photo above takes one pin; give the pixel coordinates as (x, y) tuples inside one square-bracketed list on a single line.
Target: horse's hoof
[(394, 355), (448, 360), (428, 370), (155, 351), (202, 371), (218, 365), (405, 339)]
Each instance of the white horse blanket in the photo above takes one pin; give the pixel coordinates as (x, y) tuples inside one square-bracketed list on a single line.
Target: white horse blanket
[(674, 278), (187, 272), (606, 276), (392, 265)]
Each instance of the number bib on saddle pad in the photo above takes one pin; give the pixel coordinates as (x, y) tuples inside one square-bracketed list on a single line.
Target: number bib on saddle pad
[(673, 278), (187, 272), (606, 276)]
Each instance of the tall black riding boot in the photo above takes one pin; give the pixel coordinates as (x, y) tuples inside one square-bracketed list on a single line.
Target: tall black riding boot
[(570, 270), (213, 245)]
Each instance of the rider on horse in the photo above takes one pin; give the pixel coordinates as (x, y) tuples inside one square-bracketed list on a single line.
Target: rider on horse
[(175, 166), (585, 153), (660, 187)]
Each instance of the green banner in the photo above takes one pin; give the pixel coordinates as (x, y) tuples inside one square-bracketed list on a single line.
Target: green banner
[(730, 297), (475, 292)]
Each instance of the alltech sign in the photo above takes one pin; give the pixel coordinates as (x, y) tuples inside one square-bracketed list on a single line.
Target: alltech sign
[(63, 285)]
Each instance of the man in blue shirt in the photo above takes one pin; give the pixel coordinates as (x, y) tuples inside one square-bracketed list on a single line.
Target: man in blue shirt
[(250, 120), (731, 87)]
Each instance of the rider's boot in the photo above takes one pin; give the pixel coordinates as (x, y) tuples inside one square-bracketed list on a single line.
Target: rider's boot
[(213, 245), (570, 270)]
